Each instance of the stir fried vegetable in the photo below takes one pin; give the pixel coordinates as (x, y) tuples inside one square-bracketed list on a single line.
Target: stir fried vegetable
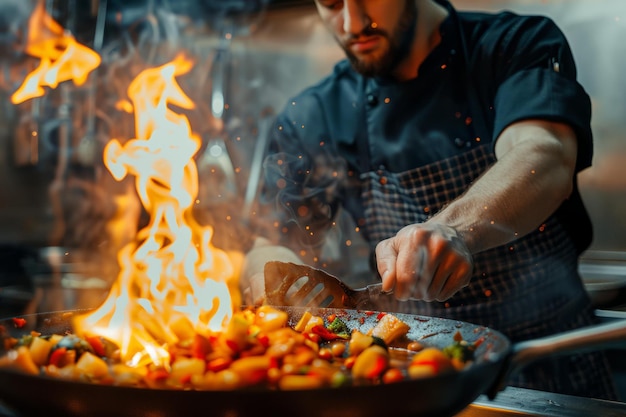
[(257, 348)]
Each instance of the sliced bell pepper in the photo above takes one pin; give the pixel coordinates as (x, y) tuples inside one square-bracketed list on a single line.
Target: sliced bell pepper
[(326, 334)]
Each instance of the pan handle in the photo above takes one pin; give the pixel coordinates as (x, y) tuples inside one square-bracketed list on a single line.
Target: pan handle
[(586, 339)]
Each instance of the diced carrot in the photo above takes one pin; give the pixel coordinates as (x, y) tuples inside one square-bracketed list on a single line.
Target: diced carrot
[(96, 345), (392, 375), (200, 347), (349, 362), (219, 364)]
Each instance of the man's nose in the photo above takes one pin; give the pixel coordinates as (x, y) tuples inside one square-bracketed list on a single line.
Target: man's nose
[(355, 20)]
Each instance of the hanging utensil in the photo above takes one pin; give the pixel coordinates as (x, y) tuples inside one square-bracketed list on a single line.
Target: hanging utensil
[(256, 167), (87, 150), (215, 165)]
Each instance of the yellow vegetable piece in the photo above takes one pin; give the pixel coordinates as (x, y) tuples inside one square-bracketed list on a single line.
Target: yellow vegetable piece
[(428, 362), (300, 382), (390, 328), (269, 318), (236, 334), (300, 326), (359, 342), (39, 350), (227, 379), (251, 369), (20, 360), (128, 375), (421, 371), (91, 365), (371, 363), (184, 367), (182, 327)]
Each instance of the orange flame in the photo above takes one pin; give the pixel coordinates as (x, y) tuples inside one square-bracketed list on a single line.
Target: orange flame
[(173, 282), (62, 57)]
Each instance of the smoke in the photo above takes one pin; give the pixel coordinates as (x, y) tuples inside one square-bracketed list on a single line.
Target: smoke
[(13, 24), (309, 188)]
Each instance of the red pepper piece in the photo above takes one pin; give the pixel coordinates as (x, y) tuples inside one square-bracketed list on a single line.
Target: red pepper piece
[(19, 322), (96, 345), (479, 341), (200, 347), (57, 356), (157, 375), (257, 376), (263, 339), (274, 362), (325, 334), (315, 338), (232, 345), (218, 364)]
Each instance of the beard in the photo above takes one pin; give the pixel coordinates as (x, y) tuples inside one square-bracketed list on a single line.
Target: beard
[(399, 40)]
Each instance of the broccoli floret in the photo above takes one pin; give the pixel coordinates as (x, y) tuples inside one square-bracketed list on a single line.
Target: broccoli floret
[(460, 350), (72, 342), (24, 340), (339, 327)]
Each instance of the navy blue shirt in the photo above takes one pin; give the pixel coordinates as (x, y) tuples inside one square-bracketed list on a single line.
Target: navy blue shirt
[(489, 71)]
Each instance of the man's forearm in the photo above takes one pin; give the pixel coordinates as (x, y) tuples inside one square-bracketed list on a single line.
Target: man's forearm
[(532, 177)]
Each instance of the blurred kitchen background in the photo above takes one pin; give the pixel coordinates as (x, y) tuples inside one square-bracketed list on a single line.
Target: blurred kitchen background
[(62, 216)]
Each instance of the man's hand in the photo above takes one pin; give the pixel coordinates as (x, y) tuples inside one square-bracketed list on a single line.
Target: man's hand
[(252, 282), (427, 261), (254, 294)]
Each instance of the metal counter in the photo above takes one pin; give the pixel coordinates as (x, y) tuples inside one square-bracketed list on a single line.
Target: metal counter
[(513, 402)]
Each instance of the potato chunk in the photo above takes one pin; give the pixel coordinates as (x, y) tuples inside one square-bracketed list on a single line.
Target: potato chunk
[(390, 328)]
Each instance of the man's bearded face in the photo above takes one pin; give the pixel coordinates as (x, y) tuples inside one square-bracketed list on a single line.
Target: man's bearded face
[(394, 42)]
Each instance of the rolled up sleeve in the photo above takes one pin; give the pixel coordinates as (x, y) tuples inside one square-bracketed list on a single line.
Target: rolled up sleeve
[(543, 93)]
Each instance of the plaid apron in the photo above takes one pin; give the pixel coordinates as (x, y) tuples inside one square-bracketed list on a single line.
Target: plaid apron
[(526, 289)]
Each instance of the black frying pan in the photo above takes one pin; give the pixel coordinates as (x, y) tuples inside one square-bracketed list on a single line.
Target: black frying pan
[(437, 396)]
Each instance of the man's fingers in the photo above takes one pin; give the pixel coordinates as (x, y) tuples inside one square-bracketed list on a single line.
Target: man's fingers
[(459, 277), (386, 263)]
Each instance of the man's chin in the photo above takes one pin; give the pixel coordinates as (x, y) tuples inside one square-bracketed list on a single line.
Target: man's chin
[(369, 69)]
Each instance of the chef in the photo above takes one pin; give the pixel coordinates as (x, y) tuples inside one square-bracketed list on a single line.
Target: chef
[(454, 140)]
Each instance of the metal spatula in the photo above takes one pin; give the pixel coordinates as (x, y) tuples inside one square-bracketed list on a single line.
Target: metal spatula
[(289, 284)]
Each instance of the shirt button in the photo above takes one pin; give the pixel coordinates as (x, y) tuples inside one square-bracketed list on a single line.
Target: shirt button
[(372, 100)]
